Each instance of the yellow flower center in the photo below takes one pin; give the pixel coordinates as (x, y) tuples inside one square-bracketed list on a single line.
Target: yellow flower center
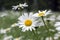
[(41, 13), (28, 22)]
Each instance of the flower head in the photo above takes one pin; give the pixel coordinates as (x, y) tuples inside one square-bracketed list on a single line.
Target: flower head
[(20, 6), (27, 22), (57, 25), (42, 13), (8, 37), (23, 5)]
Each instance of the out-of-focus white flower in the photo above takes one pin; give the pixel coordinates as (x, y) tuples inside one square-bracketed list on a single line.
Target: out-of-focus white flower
[(14, 7), (14, 25), (49, 38), (8, 29), (58, 18), (42, 13), (20, 6), (3, 31), (41, 24), (51, 18), (23, 5), (3, 15), (58, 29), (57, 24), (27, 22), (56, 36), (52, 30), (8, 38)]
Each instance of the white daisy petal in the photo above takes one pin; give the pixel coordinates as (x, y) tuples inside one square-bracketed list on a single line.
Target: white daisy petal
[(30, 29), (48, 12), (35, 15), (57, 24), (58, 29), (30, 14), (33, 28)]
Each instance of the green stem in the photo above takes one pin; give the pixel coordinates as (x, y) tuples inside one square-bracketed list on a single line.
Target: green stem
[(45, 25), (35, 35)]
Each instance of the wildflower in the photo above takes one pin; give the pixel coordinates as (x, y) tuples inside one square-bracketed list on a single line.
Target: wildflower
[(15, 7), (3, 15), (3, 31), (8, 38), (58, 17), (52, 18), (58, 29), (19, 38), (8, 29), (27, 22), (13, 25), (56, 36), (57, 25), (49, 38), (23, 5), (42, 13), (20, 6)]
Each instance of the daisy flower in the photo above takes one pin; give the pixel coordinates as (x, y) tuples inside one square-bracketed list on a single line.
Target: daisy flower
[(57, 25), (8, 37), (19, 38), (56, 36), (42, 13), (15, 7), (27, 22), (3, 14), (20, 6), (49, 38), (3, 31), (23, 5), (51, 18), (14, 25), (58, 17)]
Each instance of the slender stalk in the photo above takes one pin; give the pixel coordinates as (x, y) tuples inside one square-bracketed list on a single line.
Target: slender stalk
[(35, 35), (45, 25)]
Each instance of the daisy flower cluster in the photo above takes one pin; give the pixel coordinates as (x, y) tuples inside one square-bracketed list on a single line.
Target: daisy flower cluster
[(30, 21)]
